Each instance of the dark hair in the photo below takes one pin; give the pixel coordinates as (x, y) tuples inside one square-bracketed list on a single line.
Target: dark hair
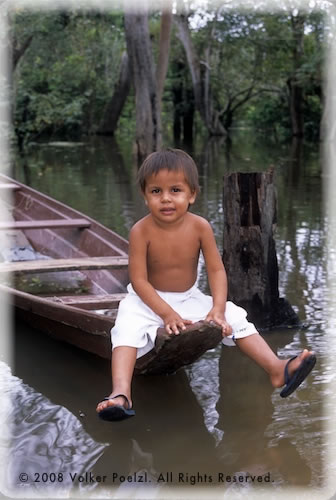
[(172, 160)]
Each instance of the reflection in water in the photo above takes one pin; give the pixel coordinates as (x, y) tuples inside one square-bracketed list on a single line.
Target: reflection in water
[(220, 414), (167, 435), (256, 431), (203, 378), (47, 444), (254, 410)]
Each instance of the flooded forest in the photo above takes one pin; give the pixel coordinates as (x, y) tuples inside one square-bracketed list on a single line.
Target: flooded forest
[(94, 91)]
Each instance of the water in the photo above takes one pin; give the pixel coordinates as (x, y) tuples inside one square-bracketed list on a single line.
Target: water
[(217, 424)]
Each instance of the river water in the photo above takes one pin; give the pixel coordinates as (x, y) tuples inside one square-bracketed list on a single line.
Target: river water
[(216, 428)]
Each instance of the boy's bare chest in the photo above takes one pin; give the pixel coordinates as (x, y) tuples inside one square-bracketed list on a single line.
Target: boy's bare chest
[(173, 248)]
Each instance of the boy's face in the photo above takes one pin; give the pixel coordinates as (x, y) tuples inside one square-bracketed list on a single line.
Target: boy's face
[(168, 195)]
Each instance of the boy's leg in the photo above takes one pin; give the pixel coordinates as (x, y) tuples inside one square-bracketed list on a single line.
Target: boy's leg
[(122, 367), (257, 349)]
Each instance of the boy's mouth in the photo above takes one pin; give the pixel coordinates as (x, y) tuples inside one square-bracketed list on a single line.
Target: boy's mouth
[(167, 211)]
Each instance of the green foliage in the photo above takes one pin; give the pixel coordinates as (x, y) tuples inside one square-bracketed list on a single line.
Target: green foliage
[(312, 117), (269, 113), (65, 78)]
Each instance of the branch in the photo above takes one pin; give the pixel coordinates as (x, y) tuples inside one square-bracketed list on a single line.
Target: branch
[(18, 52)]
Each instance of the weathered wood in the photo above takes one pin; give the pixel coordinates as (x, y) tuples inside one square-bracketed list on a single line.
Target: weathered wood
[(249, 253), (171, 352), (49, 265), (79, 336), (85, 321), (43, 224), (90, 301), (9, 186)]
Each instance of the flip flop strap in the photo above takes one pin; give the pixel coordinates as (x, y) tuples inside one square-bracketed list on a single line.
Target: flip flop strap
[(287, 377), (120, 396)]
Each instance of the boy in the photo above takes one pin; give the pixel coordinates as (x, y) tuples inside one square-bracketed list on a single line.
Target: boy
[(164, 249)]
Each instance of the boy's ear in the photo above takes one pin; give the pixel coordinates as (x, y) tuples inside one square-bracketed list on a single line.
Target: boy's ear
[(144, 198), (192, 198)]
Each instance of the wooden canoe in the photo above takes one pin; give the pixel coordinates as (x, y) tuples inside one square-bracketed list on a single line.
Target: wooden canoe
[(65, 273)]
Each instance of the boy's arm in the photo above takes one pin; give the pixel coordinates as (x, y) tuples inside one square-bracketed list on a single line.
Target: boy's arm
[(137, 267), (216, 276)]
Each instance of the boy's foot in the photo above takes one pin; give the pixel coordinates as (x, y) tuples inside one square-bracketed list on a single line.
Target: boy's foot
[(293, 372), (116, 407)]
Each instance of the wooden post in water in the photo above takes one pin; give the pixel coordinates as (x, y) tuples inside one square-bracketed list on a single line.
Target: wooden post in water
[(249, 253)]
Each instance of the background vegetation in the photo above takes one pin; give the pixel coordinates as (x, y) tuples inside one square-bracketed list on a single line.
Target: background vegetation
[(245, 69)]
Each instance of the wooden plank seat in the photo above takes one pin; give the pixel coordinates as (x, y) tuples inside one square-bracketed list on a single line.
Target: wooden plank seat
[(49, 265), (110, 301), (9, 186), (42, 224)]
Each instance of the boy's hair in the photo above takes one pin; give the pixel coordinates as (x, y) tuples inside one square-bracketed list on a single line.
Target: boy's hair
[(172, 160)]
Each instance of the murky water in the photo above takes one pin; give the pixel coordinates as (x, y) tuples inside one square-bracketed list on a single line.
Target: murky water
[(217, 424)]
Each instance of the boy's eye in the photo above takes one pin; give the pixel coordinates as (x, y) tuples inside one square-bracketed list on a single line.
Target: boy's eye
[(155, 190), (176, 190)]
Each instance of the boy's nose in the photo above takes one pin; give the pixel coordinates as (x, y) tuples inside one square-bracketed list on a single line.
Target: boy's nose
[(165, 196)]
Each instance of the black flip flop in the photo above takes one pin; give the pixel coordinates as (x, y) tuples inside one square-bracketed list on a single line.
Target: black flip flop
[(298, 376), (116, 412)]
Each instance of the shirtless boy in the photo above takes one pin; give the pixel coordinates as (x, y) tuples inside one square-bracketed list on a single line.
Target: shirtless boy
[(164, 249)]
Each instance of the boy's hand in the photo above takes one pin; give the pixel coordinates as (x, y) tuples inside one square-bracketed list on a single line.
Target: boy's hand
[(219, 318), (173, 322)]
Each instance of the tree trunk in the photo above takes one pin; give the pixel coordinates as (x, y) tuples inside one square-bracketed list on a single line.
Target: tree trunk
[(114, 108), (296, 94), (249, 253), (18, 51), (164, 46), (177, 104), (202, 94), (148, 123), (193, 61), (296, 107), (228, 119), (188, 117)]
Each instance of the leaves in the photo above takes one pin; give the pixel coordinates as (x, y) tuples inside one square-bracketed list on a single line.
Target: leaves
[(66, 73), (64, 79)]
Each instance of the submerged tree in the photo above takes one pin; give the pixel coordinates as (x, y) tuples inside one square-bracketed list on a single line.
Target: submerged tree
[(200, 76), (77, 72), (115, 106), (148, 79), (249, 250), (148, 126)]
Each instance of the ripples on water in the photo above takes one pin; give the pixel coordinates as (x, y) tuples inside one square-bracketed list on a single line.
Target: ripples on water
[(231, 419), (42, 438)]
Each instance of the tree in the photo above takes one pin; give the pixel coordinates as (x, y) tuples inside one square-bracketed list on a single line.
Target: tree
[(164, 47), (148, 125), (63, 81), (200, 77), (249, 254), (296, 91), (115, 106), (148, 80), (225, 64)]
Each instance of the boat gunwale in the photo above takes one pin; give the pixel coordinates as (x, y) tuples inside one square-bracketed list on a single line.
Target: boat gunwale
[(72, 212), (27, 298)]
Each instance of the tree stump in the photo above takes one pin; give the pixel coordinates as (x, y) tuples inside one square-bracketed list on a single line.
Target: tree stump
[(249, 253)]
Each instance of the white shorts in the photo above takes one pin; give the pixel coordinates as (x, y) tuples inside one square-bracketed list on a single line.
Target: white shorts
[(136, 324)]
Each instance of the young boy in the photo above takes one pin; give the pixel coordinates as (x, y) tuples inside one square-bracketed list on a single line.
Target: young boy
[(164, 249)]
